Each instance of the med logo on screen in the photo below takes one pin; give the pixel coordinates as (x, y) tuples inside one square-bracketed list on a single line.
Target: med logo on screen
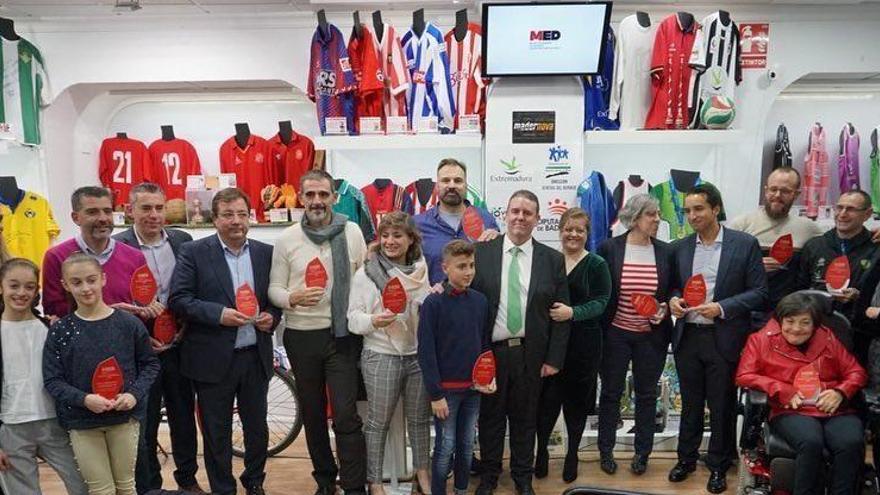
[(544, 39)]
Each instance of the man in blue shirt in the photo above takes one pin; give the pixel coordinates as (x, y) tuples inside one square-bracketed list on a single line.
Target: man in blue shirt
[(443, 223)]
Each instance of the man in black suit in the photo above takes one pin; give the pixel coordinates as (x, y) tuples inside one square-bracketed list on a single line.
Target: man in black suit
[(227, 354), (160, 247), (522, 279), (708, 337)]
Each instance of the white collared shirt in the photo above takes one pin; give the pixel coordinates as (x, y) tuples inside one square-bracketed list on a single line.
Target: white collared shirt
[(102, 257), (706, 261), (500, 331)]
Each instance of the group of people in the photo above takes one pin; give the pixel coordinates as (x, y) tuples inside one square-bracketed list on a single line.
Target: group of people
[(408, 317)]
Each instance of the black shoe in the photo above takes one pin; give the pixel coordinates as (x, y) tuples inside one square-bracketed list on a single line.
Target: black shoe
[(607, 463), (326, 490), (476, 466), (639, 464), (485, 489), (256, 490), (681, 471), (570, 467), (525, 489), (717, 482), (542, 460)]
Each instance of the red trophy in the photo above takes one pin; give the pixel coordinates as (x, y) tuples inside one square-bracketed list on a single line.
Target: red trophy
[(246, 301), (107, 381), (644, 304), (484, 369), (807, 383), (472, 223), (394, 296), (316, 275), (783, 249), (837, 274), (695, 290), (164, 327), (143, 286)]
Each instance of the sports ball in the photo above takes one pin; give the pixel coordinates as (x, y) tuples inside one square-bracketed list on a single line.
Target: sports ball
[(717, 112), (175, 211)]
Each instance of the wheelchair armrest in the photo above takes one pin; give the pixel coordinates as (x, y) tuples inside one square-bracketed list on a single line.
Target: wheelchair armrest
[(755, 398), (755, 413)]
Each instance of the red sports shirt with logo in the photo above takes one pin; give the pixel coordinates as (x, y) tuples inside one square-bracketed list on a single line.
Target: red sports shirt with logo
[(251, 166), (172, 161)]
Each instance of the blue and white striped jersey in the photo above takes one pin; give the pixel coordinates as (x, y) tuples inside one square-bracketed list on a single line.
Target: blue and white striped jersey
[(430, 91)]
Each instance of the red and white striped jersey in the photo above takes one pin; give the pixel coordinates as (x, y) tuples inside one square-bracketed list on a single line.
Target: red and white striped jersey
[(392, 67), (468, 85)]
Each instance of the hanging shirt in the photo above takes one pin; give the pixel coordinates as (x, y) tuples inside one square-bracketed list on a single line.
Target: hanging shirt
[(875, 171), (597, 91), (123, 163), (25, 91), (848, 159), (430, 91), (250, 166), (782, 148), (350, 202), (627, 190), (172, 162), (30, 228), (671, 75), (385, 198), (631, 83), (715, 57), (816, 171), (465, 60), (290, 161), (422, 195), (671, 201), (368, 77), (331, 82), (395, 75), (595, 198)]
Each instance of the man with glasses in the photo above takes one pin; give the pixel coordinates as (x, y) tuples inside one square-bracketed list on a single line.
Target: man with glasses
[(849, 237), (771, 222)]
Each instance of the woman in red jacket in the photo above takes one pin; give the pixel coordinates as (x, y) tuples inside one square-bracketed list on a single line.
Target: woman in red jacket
[(814, 414)]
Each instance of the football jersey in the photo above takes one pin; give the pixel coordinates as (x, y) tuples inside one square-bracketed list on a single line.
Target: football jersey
[(331, 82), (848, 159), (172, 161), (291, 160), (384, 197), (597, 90), (395, 75), (430, 92), (671, 75), (631, 82), (25, 90), (124, 162), (29, 229), (368, 97), (816, 177), (422, 196), (715, 58), (875, 170), (468, 85), (250, 166)]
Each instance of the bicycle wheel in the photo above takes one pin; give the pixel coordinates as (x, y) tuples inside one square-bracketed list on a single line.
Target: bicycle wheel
[(284, 416)]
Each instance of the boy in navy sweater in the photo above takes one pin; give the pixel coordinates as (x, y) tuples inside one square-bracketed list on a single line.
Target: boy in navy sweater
[(451, 337)]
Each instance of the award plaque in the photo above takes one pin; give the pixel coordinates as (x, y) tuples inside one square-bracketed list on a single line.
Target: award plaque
[(107, 381), (783, 249), (645, 304), (484, 369), (394, 296), (472, 223), (316, 274), (837, 274), (246, 301), (164, 327), (695, 290), (807, 383), (143, 286)]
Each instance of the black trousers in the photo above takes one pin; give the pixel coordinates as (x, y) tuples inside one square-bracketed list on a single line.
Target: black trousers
[(843, 436), (573, 390), (179, 396), (245, 386), (647, 352), (322, 363), (705, 378), (516, 402)]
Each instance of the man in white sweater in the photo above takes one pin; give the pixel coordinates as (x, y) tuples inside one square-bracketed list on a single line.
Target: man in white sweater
[(312, 267)]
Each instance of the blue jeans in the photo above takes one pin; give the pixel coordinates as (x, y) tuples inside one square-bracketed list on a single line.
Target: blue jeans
[(455, 434)]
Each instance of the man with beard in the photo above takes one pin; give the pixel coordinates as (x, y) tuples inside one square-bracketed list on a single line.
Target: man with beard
[(310, 280), (443, 223), (92, 212), (771, 222)]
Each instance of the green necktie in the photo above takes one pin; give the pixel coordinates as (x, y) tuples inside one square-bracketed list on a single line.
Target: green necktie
[(514, 302)]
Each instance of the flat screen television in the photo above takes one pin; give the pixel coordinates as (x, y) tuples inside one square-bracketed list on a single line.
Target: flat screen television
[(544, 38)]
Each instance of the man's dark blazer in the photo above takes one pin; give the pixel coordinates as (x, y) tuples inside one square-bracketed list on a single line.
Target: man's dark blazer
[(545, 340), (175, 237), (200, 289), (741, 287), (613, 251)]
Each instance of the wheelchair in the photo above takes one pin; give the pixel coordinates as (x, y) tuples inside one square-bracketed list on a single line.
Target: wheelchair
[(767, 461)]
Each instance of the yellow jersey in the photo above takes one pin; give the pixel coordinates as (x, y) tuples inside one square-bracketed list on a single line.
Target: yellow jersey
[(30, 229)]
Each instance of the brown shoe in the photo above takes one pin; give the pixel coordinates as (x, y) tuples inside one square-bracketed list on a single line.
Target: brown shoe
[(194, 489)]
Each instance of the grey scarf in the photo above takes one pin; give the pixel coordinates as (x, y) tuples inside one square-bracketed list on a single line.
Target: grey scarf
[(378, 265), (335, 234)]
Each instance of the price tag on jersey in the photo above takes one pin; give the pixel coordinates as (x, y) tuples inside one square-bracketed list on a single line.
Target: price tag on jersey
[(429, 125), (783, 249), (195, 182), (396, 125), (335, 126), (227, 180), (695, 290), (394, 296), (837, 274), (278, 215), (370, 125), (469, 123), (296, 214)]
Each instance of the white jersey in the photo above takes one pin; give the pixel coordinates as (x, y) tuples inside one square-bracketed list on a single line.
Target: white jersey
[(394, 74), (631, 87), (629, 190), (715, 58), (430, 91), (465, 60), (25, 90)]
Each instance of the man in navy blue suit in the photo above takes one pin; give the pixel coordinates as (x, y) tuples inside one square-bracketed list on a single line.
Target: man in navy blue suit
[(226, 353), (708, 337)]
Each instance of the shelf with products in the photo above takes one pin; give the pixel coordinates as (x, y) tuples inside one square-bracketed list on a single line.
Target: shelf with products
[(665, 137)]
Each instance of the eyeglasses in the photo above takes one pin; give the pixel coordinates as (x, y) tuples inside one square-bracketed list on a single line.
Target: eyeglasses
[(784, 191), (848, 209)]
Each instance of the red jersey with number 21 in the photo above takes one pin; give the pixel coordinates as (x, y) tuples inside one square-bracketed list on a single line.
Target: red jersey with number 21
[(123, 163)]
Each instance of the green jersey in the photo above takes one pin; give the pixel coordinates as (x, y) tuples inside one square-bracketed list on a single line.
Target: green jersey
[(672, 208), (25, 90)]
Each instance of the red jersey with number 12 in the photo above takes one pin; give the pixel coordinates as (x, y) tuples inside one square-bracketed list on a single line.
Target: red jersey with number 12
[(172, 161), (123, 163), (465, 74)]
